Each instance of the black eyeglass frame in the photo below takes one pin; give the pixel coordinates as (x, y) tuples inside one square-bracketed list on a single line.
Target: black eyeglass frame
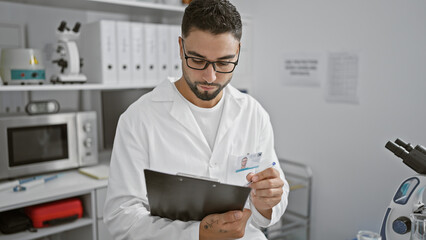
[(213, 63)]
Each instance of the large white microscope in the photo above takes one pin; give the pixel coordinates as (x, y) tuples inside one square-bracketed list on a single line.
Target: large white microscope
[(405, 218), (69, 59)]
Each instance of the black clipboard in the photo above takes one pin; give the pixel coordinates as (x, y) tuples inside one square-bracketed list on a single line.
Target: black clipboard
[(186, 198)]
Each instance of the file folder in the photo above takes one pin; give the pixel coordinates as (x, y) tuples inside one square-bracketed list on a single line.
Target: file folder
[(123, 51), (150, 54), (163, 51), (175, 63), (136, 49), (98, 50), (187, 198)]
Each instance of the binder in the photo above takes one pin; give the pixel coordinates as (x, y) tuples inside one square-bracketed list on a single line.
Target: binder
[(187, 198), (150, 57), (163, 51), (175, 63), (136, 49), (123, 51), (98, 50)]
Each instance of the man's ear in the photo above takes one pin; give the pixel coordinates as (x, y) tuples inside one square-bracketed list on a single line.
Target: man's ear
[(180, 48)]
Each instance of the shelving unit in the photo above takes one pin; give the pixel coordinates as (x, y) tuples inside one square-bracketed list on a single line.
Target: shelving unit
[(295, 223), (115, 6), (142, 4), (70, 184), (71, 87), (43, 232)]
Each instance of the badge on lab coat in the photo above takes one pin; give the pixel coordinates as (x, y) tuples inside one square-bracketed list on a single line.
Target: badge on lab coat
[(249, 161)]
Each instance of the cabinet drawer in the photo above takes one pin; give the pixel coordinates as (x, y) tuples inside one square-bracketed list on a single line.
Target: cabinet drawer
[(100, 200)]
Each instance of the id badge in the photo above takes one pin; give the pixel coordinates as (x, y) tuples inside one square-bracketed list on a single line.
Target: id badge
[(247, 162)]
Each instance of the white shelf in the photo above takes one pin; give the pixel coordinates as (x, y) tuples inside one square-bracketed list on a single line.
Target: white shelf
[(71, 87), (143, 4), (118, 6), (42, 232), (70, 184)]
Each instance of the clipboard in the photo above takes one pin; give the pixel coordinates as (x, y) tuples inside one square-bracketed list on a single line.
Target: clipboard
[(186, 198)]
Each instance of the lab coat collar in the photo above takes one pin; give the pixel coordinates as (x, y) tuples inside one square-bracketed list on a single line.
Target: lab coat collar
[(180, 110), (231, 110)]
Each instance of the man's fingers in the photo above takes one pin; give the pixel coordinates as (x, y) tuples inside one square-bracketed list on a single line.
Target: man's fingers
[(249, 176), (230, 217), (268, 183), (266, 202), (246, 213), (265, 174), (268, 193)]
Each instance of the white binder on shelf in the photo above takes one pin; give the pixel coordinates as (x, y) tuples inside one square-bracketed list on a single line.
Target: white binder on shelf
[(98, 50), (136, 49), (150, 66), (175, 62), (163, 51), (123, 51)]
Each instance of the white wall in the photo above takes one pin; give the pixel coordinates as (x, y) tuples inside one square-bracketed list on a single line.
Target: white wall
[(355, 177)]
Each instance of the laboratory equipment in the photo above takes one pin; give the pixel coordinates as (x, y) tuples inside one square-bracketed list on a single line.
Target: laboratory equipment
[(69, 59), (368, 235), (46, 143), (408, 199), (42, 107), (418, 226), (54, 213), (22, 66)]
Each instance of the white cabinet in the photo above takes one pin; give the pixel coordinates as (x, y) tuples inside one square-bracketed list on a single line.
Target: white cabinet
[(102, 230), (103, 233), (70, 184)]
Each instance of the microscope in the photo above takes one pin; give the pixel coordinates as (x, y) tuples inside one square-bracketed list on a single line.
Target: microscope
[(405, 217), (69, 60)]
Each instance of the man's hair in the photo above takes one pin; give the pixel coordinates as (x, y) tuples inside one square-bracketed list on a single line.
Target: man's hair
[(214, 16)]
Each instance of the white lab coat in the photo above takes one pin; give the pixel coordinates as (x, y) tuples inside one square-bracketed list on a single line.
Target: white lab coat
[(159, 132)]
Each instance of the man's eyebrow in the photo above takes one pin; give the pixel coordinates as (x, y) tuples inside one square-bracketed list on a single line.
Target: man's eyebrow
[(201, 56)]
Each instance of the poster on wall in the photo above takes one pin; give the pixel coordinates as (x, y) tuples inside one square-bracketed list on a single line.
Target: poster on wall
[(342, 80), (302, 69)]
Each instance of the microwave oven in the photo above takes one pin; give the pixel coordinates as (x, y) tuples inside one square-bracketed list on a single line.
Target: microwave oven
[(43, 143)]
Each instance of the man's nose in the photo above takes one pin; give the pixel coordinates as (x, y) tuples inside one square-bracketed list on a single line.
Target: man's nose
[(209, 74)]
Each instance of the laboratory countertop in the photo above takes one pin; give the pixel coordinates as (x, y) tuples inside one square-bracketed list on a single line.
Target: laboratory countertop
[(69, 184)]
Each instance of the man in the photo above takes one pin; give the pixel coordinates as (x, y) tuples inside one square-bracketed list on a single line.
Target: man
[(197, 125), (244, 162)]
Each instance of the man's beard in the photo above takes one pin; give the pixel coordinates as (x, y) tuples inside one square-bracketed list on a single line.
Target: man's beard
[(205, 95)]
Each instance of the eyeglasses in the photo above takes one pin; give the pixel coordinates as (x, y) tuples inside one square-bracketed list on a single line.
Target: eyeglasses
[(201, 64)]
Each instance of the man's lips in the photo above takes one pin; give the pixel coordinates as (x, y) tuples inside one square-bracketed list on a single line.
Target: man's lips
[(206, 87)]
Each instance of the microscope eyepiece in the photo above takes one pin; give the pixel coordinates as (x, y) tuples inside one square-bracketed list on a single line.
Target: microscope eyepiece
[(397, 150), (62, 26), (415, 158), (421, 149), (76, 27), (403, 144)]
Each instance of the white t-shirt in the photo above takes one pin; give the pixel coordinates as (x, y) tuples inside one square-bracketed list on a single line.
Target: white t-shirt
[(208, 119)]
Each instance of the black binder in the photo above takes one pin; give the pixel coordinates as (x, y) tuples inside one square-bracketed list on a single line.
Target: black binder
[(181, 197)]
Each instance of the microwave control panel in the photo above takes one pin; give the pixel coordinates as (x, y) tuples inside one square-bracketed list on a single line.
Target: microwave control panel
[(87, 138)]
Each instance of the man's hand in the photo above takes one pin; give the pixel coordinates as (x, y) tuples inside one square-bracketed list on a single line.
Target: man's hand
[(229, 225), (266, 190)]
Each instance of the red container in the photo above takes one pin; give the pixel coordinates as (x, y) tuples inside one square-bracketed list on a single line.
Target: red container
[(53, 213)]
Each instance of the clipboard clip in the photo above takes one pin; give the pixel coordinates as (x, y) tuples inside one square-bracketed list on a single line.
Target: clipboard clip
[(197, 177)]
